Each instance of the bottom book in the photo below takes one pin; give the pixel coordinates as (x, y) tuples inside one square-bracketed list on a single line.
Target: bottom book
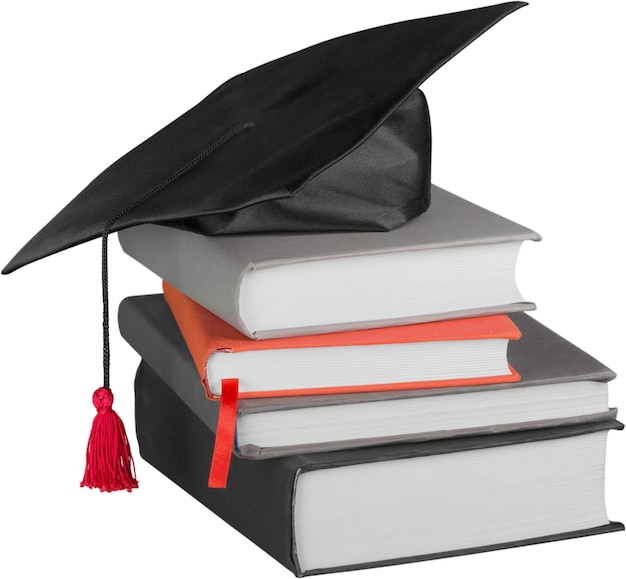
[(369, 507)]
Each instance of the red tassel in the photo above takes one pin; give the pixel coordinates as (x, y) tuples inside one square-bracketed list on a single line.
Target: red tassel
[(110, 465)]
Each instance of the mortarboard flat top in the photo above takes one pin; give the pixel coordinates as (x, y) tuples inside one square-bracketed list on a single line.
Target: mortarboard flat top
[(333, 137)]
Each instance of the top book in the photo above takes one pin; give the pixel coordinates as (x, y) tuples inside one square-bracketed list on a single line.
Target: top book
[(456, 260)]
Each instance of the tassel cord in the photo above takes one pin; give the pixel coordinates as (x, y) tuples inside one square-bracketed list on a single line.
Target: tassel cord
[(109, 462)]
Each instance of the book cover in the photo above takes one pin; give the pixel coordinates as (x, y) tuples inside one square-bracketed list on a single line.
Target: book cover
[(216, 271), (263, 498), (356, 361), (542, 357)]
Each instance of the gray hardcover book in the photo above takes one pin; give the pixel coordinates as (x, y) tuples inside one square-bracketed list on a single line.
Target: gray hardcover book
[(560, 385), (455, 260)]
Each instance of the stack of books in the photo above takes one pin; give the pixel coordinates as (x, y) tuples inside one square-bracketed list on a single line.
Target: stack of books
[(365, 399)]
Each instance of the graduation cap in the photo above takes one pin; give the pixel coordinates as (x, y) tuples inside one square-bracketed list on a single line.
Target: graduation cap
[(335, 137)]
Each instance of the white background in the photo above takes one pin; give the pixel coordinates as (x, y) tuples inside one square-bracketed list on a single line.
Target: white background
[(528, 121)]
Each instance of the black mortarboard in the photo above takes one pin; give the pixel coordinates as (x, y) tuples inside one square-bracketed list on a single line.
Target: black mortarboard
[(335, 137)]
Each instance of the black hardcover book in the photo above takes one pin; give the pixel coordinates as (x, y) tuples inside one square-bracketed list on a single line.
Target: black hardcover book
[(377, 506)]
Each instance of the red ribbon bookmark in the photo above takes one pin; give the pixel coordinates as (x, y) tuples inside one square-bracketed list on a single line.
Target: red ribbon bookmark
[(225, 435)]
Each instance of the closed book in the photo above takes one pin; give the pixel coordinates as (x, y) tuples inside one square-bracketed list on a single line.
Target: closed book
[(461, 352), (455, 260), (369, 507), (560, 384)]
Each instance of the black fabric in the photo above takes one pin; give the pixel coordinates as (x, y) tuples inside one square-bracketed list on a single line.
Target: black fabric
[(282, 131), (377, 187)]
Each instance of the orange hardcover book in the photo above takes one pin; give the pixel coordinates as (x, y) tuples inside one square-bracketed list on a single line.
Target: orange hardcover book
[(461, 352)]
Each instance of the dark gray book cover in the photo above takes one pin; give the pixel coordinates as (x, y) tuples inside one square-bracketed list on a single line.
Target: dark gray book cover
[(540, 356), (259, 498)]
